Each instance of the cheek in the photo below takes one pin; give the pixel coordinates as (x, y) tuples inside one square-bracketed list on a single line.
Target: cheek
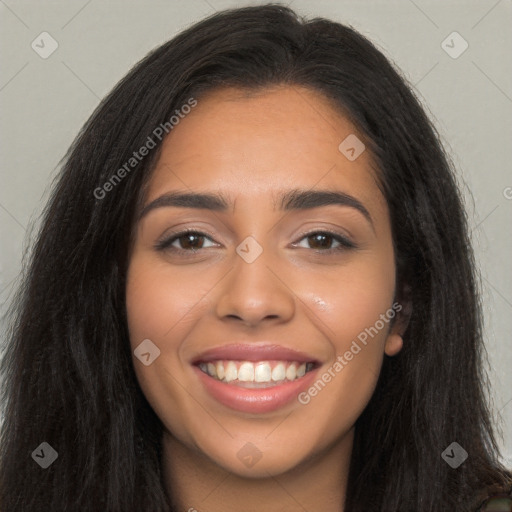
[(156, 309), (351, 300), (354, 309), (160, 306), (161, 300)]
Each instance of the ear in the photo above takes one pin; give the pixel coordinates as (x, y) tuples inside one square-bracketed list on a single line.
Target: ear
[(403, 307)]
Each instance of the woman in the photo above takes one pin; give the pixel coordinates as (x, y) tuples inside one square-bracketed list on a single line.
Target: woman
[(253, 289)]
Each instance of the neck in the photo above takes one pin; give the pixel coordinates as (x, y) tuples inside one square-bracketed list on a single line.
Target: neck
[(197, 484)]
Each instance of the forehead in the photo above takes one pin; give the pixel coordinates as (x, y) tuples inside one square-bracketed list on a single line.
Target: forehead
[(253, 146)]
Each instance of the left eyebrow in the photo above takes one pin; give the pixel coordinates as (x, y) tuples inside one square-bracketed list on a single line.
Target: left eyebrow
[(300, 199), (295, 199)]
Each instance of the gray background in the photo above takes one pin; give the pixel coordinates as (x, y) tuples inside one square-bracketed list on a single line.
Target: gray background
[(44, 102)]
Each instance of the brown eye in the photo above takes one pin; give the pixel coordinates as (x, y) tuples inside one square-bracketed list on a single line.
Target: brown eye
[(191, 241), (320, 241)]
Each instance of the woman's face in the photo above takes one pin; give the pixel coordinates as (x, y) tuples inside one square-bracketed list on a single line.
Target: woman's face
[(290, 270)]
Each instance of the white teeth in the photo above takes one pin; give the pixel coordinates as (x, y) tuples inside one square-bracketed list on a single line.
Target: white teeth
[(279, 372), (211, 369), (258, 372), (291, 372), (246, 372), (262, 372), (220, 370), (231, 372)]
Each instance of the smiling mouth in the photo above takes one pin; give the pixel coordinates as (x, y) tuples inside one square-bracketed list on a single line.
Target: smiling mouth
[(255, 375)]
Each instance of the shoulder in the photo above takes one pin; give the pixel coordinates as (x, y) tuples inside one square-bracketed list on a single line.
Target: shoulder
[(497, 503)]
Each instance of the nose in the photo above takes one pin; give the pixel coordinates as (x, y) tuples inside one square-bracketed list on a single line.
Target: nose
[(255, 292)]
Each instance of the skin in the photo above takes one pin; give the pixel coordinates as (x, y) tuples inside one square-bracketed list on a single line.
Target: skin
[(251, 147)]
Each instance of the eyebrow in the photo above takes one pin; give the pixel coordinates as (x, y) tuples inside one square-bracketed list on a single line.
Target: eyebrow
[(295, 199)]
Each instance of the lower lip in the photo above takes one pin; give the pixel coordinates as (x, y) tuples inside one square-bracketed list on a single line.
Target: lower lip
[(255, 400)]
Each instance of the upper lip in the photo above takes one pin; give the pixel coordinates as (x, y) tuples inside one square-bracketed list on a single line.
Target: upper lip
[(253, 352)]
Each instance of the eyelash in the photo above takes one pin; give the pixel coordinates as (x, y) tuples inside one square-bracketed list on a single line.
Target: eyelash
[(165, 244)]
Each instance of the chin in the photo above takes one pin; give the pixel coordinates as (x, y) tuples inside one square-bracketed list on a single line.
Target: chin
[(252, 463)]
